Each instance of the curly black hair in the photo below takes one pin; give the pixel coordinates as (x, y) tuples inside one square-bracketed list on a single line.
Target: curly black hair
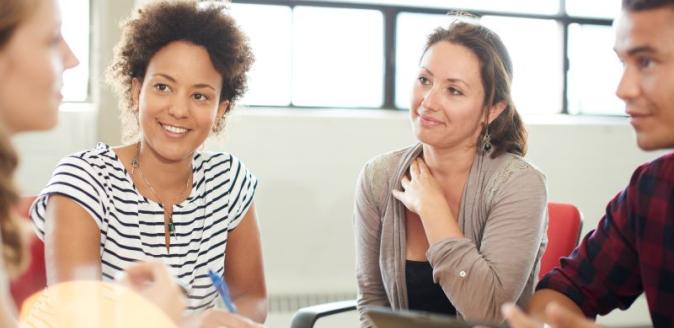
[(161, 22)]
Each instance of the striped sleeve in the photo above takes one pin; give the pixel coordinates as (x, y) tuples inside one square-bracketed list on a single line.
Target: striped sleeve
[(241, 192), (77, 179)]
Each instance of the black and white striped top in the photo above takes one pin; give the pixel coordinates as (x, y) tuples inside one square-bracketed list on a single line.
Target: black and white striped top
[(132, 226)]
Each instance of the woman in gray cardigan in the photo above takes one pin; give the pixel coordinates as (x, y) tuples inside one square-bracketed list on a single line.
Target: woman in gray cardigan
[(455, 224)]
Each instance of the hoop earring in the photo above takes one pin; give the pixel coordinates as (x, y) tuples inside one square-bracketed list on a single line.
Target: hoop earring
[(485, 143)]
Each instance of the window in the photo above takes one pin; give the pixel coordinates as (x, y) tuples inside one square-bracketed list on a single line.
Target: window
[(364, 53), (75, 28), (311, 58)]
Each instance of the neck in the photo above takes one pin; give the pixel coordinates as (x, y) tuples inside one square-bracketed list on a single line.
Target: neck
[(448, 163), (165, 175)]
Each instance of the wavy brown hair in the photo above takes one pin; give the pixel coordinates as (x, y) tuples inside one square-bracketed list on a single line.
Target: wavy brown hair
[(507, 131), (14, 252), (161, 22)]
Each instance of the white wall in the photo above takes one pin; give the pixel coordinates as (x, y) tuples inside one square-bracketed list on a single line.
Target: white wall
[(307, 162)]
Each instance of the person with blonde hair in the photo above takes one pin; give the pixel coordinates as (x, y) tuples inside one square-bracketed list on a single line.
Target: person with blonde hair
[(33, 56)]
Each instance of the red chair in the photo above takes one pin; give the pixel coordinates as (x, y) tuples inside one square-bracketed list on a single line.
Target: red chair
[(564, 225), (34, 278)]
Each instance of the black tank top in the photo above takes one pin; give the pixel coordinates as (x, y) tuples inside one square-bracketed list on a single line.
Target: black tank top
[(422, 293)]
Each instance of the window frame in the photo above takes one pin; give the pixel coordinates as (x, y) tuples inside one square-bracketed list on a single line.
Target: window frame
[(390, 14)]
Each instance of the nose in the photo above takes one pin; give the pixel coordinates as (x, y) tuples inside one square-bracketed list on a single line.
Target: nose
[(628, 88), (431, 100), (69, 58), (179, 109)]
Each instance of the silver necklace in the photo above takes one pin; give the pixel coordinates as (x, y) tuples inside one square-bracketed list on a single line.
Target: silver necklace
[(169, 227)]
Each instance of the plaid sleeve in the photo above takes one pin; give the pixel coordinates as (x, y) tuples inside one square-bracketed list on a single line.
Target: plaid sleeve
[(603, 272)]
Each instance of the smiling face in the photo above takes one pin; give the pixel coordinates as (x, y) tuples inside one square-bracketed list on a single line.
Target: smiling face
[(31, 66), (447, 97), (645, 45), (178, 100)]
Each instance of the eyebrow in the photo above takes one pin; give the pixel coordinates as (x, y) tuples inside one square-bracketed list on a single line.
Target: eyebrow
[(198, 85), (452, 80), (638, 50)]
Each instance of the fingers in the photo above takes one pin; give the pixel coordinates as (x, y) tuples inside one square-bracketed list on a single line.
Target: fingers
[(405, 182), (422, 167), (414, 168), (516, 318), (399, 195), (144, 273), (560, 317)]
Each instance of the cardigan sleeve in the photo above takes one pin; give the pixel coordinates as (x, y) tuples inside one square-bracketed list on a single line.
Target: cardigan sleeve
[(479, 280), (367, 226)]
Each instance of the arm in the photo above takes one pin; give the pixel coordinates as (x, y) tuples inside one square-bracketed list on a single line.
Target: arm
[(367, 225), (244, 269), (478, 281), (245, 277), (497, 271), (72, 242)]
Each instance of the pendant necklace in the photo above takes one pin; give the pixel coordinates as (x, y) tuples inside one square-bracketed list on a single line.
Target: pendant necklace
[(169, 227)]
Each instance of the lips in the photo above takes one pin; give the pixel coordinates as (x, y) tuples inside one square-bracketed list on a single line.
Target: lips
[(429, 121), (174, 129)]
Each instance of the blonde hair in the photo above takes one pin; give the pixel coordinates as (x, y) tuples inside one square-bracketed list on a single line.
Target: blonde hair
[(14, 253)]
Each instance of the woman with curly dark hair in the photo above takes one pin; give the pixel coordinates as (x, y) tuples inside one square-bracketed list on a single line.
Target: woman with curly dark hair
[(178, 68)]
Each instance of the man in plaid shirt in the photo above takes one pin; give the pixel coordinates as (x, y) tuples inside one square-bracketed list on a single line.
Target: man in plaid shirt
[(632, 249)]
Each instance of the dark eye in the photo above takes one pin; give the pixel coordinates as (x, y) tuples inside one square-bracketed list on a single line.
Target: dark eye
[(423, 80), (644, 62), (161, 87), (454, 91), (200, 97)]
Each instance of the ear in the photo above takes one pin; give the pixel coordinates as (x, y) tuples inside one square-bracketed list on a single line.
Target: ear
[(496, 110), (222, 108), (136, 85)]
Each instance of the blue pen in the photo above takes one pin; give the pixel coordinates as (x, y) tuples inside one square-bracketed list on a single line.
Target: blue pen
[(223, 290)]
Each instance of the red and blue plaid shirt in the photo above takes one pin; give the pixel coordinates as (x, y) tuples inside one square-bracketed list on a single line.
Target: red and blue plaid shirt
[(631, 251)]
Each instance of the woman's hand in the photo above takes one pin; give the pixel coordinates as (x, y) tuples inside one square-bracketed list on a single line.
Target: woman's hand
[(215, 318), (422, 195), (421, 192), (155, 283)]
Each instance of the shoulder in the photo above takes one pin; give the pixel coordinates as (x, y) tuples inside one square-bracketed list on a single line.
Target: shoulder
[(660, 169), (508, 167), (378, 170), (223, 167), (375, 178), (382, 167), (94, 160), (216, 161)]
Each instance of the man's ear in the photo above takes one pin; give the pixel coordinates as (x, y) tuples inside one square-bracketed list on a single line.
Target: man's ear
[(496, 110), (136, 85)]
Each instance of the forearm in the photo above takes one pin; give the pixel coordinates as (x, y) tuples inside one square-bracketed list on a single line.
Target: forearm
[(439, 223), (540, 300), (253, 307)]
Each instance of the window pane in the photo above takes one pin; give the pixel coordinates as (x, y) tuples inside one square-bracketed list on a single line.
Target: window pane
[(537, 61), (337, 57), (595, 8), (411, 34), (269, 78), (594, 70), (522, 6), (75, 20)]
